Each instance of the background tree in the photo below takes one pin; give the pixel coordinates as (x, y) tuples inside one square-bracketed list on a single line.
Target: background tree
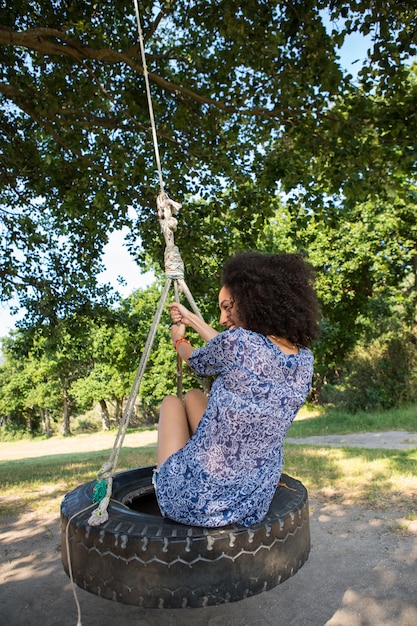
[(88, 363), (115, 345), (40, 366), (29, 395)]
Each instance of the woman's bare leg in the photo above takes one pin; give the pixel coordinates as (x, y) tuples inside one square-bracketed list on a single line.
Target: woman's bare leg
[(178, 422), (195, 402), (173, 429)]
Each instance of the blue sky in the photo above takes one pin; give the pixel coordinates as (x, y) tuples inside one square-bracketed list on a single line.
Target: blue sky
[(118, 263)]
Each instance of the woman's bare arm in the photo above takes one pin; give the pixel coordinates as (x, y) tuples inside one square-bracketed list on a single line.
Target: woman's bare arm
[(182, 317)]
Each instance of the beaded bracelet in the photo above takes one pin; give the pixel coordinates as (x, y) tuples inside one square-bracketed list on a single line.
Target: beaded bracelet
[(178, 341)]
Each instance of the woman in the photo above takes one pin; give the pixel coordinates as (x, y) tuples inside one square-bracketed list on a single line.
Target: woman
[(220, 458)]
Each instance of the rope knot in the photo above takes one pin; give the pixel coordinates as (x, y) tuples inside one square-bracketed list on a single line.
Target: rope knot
[(102, 494), (174, 265), (105, 470), (167, 208)]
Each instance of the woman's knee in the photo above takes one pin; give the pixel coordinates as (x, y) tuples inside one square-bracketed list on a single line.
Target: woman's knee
[(195, 395), (195, 402), (170, 402)]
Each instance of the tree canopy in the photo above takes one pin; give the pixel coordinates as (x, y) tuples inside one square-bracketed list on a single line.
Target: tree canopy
[(249, 99)]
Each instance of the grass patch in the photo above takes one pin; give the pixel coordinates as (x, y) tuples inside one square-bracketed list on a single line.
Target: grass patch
[(332, 422), (366, 477), (39, 484)]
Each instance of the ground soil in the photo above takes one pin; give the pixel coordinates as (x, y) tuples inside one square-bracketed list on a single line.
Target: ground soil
[(362, 568)]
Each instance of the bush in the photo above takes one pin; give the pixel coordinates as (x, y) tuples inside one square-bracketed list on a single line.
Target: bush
[(13, 430), (381, 375), (86, 423), (146, 413)]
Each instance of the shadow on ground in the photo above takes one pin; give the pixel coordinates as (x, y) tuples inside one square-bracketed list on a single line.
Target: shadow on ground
[(361, 571)]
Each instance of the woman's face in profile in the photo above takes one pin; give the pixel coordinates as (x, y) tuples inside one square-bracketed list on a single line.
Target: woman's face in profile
[(228, 310)]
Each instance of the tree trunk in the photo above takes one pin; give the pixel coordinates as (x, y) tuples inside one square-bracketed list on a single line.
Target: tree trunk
[(414, 265), (118, 410), (105, 417), (46, 422), (66, 415), (30, 421)]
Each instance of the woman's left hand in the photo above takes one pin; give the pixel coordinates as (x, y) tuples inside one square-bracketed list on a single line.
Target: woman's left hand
[(177, 332), (179, 313)]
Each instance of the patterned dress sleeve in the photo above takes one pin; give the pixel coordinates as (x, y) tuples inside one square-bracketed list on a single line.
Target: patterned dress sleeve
[(218, 355)]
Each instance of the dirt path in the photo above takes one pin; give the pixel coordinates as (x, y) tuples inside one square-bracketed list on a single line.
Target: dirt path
[(390, 439), (393, 439), (81, 443)]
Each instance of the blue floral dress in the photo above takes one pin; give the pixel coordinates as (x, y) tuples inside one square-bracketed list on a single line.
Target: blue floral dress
[(228, 471)]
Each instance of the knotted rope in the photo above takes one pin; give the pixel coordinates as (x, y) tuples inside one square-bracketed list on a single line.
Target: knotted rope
[(174, 270), (167, 208)]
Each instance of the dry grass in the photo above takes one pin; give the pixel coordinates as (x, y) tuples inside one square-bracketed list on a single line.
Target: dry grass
[(367, 477)]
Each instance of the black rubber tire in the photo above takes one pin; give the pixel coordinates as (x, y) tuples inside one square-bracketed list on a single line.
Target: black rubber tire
[(138, 557)]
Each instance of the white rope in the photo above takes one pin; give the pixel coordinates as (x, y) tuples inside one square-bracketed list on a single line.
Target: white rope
[(73, 587), (108, 469), (174, 271), (148, 95)]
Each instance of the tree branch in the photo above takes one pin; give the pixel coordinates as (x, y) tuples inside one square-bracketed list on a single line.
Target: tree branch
[(8, 90), (14, 95), (40, 39)]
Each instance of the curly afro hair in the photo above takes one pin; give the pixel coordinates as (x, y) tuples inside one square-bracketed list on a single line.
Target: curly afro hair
[(274, 294)]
